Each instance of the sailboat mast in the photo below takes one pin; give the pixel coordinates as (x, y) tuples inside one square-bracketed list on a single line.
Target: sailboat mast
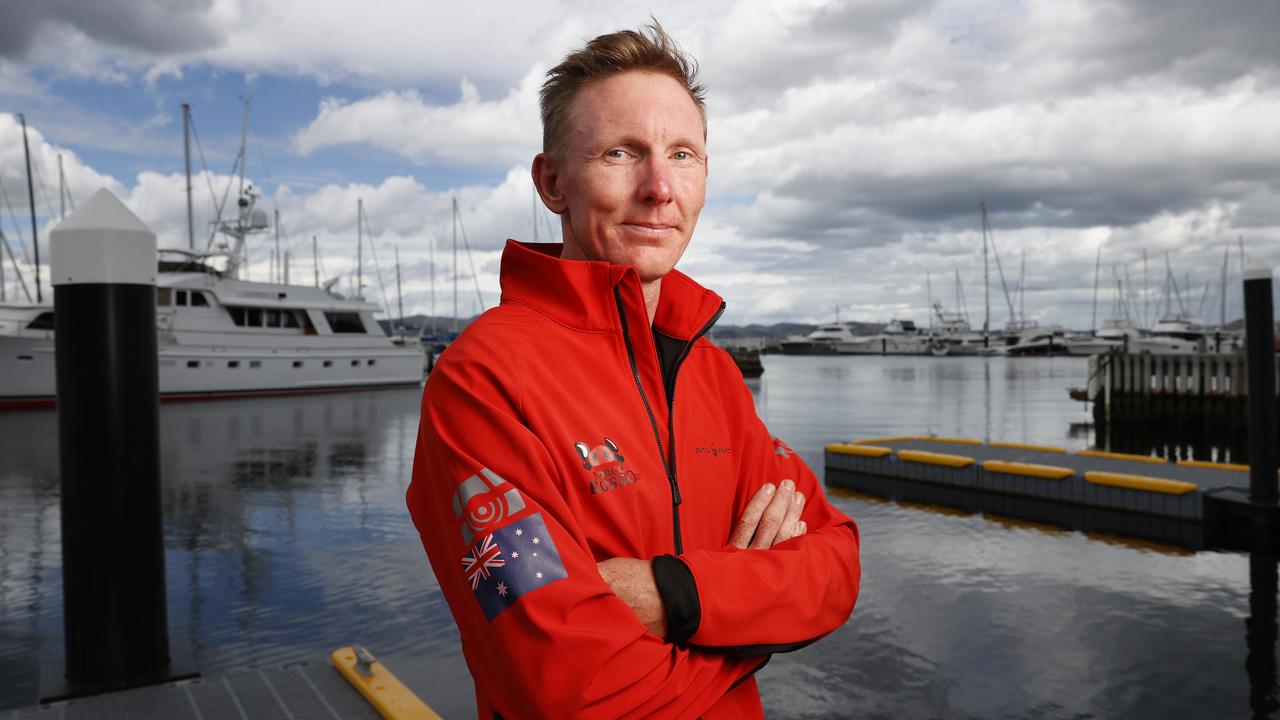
[(315, 259), (1097, 272), (62, 190), (928, 283), (455, 266), (1222, 289), (31, 199), (359, 248), (431, 258), (279, 272), (186, 156), (986, 280), (399, 294)]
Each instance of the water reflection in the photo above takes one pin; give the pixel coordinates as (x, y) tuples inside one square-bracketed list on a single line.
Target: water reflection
[(286, 536)]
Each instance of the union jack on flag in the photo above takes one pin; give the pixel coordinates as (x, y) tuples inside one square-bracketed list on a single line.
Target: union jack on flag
[(486, 555), (511, 562)]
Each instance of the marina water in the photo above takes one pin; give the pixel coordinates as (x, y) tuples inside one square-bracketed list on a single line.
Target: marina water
[(287, 536)]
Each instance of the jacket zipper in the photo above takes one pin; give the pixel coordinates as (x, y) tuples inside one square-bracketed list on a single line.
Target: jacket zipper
[(671, 425), (668, 462)]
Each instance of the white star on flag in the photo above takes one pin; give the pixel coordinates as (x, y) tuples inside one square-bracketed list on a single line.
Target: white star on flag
[(515, 554), (502, 589), (536, 541), (519, 531), (538, 575)]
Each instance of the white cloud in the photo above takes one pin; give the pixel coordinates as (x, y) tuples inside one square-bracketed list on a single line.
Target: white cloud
[(469, 132)]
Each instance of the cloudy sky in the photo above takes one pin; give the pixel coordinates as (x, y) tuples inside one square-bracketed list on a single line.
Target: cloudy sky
[(851, 142)]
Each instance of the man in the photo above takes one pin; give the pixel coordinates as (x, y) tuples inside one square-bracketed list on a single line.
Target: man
[(615, 531)]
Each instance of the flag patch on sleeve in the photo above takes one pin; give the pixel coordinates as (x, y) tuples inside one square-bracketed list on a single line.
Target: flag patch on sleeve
[(511, 562)]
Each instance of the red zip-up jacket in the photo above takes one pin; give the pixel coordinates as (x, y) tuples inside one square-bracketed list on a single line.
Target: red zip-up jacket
[(560, 430)]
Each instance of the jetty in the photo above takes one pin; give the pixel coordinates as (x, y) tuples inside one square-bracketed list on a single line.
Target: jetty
[(1187, 503), (1128, 388)]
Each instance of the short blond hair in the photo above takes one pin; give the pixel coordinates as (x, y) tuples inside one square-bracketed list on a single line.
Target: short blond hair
[(648, 50)]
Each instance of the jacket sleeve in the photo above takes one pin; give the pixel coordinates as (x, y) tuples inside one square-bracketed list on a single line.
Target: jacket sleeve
[(486, 499), (754, 602)]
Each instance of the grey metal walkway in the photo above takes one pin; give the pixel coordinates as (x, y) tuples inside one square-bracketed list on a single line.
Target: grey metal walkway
[(299, 692)]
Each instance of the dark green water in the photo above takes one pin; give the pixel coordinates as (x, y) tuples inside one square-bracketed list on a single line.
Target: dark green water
[(287, 536)]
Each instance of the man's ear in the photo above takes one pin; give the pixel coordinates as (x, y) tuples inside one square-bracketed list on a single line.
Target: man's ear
[(546, 178)]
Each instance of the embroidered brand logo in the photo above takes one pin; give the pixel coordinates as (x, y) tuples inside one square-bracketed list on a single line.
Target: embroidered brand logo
[(606, 465), (482, 502), (713, 451)]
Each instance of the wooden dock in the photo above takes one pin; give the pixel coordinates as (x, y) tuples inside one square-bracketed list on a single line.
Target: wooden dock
[(352, 684), (1205, 389)]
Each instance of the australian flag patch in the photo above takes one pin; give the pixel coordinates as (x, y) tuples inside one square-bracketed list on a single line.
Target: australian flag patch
[(510, 562)]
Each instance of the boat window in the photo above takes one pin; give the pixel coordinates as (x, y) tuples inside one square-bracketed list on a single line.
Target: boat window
[(164, 296), (290, 318), (273, 318), (182, 298), (297, 363), (198, 299), (233, 363), (43, 321), (237, 315), (328, 363), (370, 362), (255, 317), (345, 322), (193, 363), (355, 363), (255, 363)]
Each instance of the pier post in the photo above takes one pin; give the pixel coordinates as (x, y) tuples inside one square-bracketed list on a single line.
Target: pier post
[(1259, 318), (103, 268)]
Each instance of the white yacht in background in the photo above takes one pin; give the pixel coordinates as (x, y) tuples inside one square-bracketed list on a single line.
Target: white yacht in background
[(899, 337), (221, 336), (952, 335), (1116, 333), (823, 341)]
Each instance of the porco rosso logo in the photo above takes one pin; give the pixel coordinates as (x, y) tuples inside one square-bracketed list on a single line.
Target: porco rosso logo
[(605, 463)]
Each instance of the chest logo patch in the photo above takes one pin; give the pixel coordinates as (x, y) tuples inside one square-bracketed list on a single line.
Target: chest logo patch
[(605, 462)]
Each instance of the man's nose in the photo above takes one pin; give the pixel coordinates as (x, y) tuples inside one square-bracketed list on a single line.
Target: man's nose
[(655, 186)]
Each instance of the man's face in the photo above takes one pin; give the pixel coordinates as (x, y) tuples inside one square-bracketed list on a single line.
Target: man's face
[(632, 177)]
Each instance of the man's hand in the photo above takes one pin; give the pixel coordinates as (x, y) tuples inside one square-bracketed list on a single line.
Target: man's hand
[(631, 579), (771, 517)]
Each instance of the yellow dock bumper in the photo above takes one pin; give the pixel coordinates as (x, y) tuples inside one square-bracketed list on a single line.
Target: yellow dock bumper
[(1203, 464), (383, 690), (1121, 456), (932, 458), (1140, 482), (1025, 446), (1050, 472), (873, 451)]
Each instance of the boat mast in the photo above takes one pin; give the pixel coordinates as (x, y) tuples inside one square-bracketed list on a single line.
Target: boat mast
[(455, 265), (1222, 289), (315, 259), (986, 279), (399, 295), (62, 190), (431, 258), (1097, 272), (928, 283), (186, 156), (31, 199), (279, 272), (359, 248)]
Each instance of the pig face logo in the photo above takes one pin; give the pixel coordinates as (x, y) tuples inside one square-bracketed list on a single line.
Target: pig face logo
[(593, 457)]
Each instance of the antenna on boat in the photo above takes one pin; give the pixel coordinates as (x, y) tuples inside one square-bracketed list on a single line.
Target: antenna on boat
[(31, 198), (186, 155)]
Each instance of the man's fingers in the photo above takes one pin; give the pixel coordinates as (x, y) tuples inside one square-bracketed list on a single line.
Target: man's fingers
[(771, 520), (791, 522), (745, 528)]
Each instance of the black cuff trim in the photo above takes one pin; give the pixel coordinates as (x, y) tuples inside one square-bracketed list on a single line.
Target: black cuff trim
[(679, 593), (744, 651)]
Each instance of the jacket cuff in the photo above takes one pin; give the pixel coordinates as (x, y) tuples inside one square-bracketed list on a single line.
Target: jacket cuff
[(679, 593)]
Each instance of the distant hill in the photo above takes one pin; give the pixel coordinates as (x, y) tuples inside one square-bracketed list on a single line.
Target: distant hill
[(776, 331)]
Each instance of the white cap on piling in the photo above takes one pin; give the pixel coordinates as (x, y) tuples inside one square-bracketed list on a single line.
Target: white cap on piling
[(1257, 271), (102, 242)]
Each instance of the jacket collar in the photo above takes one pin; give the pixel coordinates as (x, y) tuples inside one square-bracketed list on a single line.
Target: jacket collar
[(580, 293)]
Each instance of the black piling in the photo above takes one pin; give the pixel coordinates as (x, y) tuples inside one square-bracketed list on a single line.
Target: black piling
[(103, 267), (1259, 323)]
